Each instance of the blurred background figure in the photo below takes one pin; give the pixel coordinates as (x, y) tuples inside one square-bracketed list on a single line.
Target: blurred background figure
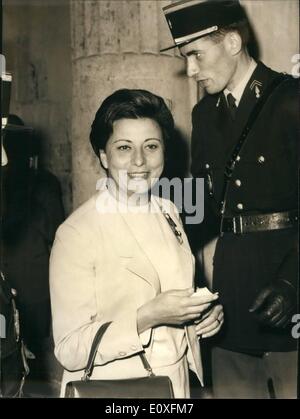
[(32, 210)]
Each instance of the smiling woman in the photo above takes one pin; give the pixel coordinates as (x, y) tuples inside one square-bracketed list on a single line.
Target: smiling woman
[(131, 134), (108, 262), (136, 148)]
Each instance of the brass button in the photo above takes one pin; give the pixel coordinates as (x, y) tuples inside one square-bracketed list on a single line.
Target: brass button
[(240, 206), (261, 159), (207, 166), (238, 158), (238, 183)]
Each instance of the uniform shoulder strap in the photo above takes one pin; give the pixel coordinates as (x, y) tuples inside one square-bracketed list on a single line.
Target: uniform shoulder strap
[(230, 165)]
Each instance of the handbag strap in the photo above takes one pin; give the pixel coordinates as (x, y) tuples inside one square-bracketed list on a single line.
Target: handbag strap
[(93, 352), (230, 165)]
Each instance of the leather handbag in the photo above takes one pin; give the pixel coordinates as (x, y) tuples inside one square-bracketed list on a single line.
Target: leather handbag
[(150, 387)]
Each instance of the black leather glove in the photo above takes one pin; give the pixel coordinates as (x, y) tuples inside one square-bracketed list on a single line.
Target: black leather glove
[(275, 304)]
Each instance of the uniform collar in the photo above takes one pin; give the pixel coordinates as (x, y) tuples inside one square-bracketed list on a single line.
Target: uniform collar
[(238, 91)]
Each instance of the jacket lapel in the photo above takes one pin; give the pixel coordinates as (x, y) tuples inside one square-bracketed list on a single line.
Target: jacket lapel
[(124, 242), (139, 263), (182, 250)]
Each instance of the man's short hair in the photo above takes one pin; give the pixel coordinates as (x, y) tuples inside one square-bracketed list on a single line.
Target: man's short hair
[(242, 28)]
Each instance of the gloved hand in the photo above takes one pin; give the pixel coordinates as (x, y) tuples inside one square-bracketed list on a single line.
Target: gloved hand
[(275, 304)]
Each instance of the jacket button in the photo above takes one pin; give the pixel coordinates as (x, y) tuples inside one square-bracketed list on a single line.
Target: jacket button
[(238, 183), (122, 353), (207, 166), (238, 158), (261, 159), (240, 206)]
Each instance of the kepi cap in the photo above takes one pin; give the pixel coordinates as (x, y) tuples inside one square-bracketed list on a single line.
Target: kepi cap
[(189, 20)]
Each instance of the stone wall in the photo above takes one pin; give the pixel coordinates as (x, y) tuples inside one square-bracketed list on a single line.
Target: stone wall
[(36, 43), (276, 26)]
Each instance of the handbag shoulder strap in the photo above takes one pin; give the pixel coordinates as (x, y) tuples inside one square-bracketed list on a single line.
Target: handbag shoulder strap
[(93, 352), (230, 165)]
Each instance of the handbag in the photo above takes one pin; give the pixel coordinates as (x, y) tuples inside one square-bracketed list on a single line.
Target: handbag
[(150, 387)]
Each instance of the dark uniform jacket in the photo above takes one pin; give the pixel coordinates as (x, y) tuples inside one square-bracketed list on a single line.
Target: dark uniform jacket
[(264, 181)]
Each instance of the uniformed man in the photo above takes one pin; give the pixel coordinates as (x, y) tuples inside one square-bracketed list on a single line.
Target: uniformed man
[(255, 215)]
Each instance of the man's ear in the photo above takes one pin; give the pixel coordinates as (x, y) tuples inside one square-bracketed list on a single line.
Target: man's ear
[(103, 159), (233, 43)]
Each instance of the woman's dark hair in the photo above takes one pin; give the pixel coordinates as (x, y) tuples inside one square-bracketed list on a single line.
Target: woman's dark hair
[(131, 104)]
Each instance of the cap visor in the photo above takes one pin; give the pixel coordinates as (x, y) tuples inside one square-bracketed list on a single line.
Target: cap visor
[(181, 44), (171, 47), (13, 127)]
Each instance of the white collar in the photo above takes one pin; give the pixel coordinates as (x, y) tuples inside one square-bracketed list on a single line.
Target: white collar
[(238, 91)]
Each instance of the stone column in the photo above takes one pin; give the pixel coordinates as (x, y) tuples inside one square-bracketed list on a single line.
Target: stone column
[(116, 44)]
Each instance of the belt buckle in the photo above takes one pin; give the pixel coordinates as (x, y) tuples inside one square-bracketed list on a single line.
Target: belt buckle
[(238, 225)]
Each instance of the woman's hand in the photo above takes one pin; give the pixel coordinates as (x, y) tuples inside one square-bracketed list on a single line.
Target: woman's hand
[(173, 307), (211, 322)]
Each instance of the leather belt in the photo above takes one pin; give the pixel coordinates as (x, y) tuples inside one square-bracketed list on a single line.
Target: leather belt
[(262, 222)]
